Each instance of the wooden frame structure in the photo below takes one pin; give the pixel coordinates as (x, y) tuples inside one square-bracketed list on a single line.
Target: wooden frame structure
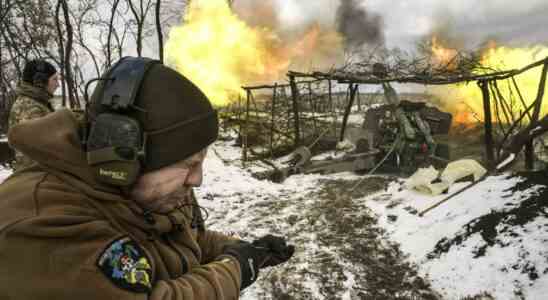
[(496, 107), (288, 108), (500, 113)]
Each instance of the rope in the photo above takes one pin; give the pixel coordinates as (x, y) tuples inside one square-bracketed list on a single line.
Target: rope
[(378, 165)]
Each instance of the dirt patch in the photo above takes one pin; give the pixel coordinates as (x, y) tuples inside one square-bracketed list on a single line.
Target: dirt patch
[(341, 251), (382, 272)]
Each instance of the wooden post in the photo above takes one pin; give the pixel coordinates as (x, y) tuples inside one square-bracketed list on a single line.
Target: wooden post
[(312, 106), (295, 97), (246, 127), (353, 89), (358, 96), (488, 123), (309, 87), (529, 149), (332, 109), (521, 98), (330, 96), (274, 94), (239, 118)]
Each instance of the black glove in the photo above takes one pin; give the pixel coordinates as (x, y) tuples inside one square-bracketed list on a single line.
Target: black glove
[(250, 259), (278, 250)]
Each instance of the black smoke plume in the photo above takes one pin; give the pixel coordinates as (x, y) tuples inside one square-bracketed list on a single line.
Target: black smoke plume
[(358, 26)]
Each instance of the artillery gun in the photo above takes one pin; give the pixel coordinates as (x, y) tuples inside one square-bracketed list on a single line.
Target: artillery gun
[(398, 135), (406, 133)]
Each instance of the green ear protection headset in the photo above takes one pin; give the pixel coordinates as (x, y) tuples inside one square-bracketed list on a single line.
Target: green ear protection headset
[(115, 142)]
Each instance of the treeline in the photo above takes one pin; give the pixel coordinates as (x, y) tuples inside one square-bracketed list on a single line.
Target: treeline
[(82, 38)]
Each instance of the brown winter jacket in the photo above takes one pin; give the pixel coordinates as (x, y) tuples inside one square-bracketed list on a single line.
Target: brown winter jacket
[(57, 221)]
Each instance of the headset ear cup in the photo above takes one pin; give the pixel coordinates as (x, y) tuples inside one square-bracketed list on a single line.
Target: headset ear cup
[(115, 143), (117, 173), (113, 148)]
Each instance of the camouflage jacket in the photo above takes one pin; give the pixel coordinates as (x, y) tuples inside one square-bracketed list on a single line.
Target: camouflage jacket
[(31, 103)]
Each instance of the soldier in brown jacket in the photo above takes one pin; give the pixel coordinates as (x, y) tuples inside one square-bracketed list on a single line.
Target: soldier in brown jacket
[(116, 218), (34, 92)]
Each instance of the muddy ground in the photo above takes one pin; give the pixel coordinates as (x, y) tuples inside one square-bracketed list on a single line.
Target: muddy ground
[(341, 251)]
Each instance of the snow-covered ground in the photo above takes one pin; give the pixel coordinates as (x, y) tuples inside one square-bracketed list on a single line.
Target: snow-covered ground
[(466, 247), (472, 243), (491, 238)]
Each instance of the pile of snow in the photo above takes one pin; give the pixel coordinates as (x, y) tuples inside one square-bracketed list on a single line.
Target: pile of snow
[(476, 242)]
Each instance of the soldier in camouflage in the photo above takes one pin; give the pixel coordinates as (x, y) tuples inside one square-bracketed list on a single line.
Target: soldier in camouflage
[(34, 92)]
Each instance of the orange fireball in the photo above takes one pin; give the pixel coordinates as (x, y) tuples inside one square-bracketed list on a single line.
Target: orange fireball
[(465, 100), (220, 52)]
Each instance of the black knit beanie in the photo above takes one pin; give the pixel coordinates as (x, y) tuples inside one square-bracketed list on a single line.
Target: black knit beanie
[(179, 119), (176, 116), (37, 72)]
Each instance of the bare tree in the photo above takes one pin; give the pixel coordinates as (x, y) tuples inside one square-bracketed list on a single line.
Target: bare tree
[(159, 30), (140, 12), (78, 37), (111, 30), (81, 22), (26, 32), (65, 51)]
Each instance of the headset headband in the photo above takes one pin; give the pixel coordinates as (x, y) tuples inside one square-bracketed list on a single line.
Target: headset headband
[(120, 91)]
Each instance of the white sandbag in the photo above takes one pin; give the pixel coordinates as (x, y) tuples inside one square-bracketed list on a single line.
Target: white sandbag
[(461, 168), (437, 188), (421, 178)]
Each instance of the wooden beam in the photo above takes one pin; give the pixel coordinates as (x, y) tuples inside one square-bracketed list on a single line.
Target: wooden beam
[(353, 90), (529, 148), (521, 97), (295, 97), (273, 112), (419, 79), (488, 123), (246, 128), (276, 85)]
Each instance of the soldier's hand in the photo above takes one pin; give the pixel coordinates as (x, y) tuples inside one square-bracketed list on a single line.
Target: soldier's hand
[(278, 249), (250, 258)]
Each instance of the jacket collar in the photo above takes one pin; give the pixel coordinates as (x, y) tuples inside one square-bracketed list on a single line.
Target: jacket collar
[(39, 94), (54, 142)]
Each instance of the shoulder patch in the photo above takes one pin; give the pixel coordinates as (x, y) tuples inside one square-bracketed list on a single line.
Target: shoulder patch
[(126, 265)]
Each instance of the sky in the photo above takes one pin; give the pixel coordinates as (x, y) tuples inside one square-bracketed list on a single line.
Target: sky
[(517, 23)]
